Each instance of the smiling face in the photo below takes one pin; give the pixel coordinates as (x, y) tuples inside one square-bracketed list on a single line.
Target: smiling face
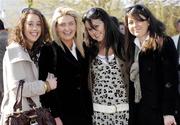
[(32, 29), (138, 28), (97, 31), (66, 28)]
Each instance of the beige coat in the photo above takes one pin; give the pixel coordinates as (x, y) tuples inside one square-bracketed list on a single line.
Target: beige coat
[(18, 65)]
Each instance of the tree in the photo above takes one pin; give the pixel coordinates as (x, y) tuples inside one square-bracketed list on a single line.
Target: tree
[(30, 3), (166, 12)]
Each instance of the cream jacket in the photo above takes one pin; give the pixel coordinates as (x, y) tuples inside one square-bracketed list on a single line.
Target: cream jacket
[(17, 65)]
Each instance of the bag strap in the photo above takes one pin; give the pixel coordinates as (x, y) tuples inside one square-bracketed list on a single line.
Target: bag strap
[(32, 104), (18, 103)]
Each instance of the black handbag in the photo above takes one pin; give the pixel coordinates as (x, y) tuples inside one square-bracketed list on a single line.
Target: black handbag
[(35, 116)]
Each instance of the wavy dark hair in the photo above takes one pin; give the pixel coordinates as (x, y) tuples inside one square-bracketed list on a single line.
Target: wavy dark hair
[(113, 38)]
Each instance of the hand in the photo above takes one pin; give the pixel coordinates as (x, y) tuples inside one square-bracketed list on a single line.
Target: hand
[(169, 120), (52, 81), (58, 121)]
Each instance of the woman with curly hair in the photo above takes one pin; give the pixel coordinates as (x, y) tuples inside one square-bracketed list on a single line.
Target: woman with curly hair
[(20, 62)]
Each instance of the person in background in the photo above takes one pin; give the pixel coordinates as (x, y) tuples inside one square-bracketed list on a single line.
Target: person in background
[(154, 68), (122, 27), (71, 102), (115, 20), (20, 59), (108, 78), (176, 39), (3, 44)]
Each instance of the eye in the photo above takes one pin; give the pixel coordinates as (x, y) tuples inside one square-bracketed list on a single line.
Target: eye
[(38, 24), (71, 23), (30, 24), (62, 24), (96, 26), (130, 22), (89, 29)]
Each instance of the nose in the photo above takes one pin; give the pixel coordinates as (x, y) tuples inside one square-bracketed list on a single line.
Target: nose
[(67, 27), (35, 27), (136, 23), (94, 31)]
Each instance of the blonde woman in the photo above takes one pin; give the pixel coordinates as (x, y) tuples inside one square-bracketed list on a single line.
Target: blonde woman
[(70, 103)]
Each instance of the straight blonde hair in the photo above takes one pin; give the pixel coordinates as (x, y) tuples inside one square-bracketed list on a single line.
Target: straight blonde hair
[(62, 11)]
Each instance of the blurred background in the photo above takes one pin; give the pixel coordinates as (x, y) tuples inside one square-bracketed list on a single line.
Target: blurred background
[(165, 10)]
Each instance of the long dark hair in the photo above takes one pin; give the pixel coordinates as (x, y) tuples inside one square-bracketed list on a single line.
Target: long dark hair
[(141, 13), (113, 37)]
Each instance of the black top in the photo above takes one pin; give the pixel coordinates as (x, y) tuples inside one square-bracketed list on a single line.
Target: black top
[(71, 97), (158, 79)]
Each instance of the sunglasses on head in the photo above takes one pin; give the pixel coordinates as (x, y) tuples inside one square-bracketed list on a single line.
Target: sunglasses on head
[(89, 13), (139, 10), (135, 7), (26, 10)]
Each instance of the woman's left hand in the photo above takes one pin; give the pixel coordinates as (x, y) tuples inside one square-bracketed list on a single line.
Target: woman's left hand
[(169, 120)]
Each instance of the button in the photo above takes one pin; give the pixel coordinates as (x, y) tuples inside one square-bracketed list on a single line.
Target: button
[(78, 88), (168, 85)]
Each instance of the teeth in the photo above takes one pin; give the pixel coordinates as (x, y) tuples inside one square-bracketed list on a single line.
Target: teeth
[(34, 34), (67, 33)]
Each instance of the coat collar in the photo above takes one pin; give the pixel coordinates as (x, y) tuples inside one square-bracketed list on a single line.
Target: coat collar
[(17, 53)]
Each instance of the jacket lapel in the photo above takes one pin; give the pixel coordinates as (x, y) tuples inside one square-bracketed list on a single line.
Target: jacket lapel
[(18, 53)]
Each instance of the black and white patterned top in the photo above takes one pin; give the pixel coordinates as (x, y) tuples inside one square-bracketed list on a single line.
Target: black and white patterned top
[(108, 87)]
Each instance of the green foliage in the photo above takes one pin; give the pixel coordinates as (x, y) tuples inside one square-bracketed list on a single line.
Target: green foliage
[(30, 3)]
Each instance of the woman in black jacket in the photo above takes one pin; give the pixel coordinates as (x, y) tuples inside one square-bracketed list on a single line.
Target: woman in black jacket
[(71, 102), (154, 68)]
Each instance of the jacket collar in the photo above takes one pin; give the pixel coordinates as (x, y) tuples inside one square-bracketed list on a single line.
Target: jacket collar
[(17, 53)]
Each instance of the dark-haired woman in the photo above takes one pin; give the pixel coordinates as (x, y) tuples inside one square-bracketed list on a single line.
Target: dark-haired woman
[(108, 77), (154, 68)]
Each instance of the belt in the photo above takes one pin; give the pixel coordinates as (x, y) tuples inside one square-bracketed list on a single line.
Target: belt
[(111, 108)]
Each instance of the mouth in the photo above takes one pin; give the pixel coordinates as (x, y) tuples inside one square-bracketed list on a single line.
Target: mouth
[(67, 33), (34, 34)]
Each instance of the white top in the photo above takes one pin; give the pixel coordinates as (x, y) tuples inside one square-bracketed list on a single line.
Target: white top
[(73, 50), (103, 58)]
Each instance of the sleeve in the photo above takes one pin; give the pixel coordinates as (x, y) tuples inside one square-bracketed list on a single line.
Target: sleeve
[(46, 64), (23, 70), (169, 61)]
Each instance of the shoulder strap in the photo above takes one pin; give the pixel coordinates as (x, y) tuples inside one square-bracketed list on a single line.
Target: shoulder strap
[(18, 103)]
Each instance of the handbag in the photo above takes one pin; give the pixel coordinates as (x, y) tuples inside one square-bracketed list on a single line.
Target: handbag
[(35, 116)]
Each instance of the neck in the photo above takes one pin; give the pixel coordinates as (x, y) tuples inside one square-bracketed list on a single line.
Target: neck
[(143, 38), (102, 51), (29, 46), (68, 43)]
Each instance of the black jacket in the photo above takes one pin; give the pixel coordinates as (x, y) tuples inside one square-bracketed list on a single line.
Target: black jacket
[(72, 97), (158, 79)]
